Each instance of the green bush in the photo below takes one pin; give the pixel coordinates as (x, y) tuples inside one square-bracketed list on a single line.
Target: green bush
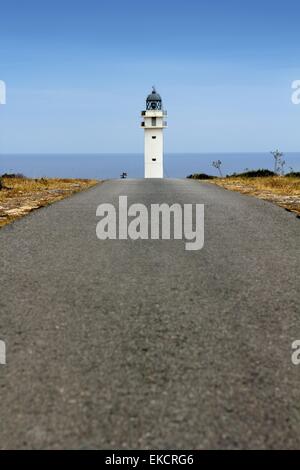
[(13, 175), (254, 173), (200, 176), (293, 174)]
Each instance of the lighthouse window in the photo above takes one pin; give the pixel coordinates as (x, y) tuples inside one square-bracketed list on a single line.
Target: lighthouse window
[(153, 121), (154, 137), (154, 159)]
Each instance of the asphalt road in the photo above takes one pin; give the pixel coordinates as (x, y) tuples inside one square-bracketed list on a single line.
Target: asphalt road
[(142, 344)]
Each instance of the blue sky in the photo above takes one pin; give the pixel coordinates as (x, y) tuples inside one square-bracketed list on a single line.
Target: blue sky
[(77, 74)]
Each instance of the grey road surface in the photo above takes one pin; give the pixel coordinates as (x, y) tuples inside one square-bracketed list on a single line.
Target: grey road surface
[(142, 344)]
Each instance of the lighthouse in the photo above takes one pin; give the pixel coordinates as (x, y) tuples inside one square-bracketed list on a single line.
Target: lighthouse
[(153, 124)]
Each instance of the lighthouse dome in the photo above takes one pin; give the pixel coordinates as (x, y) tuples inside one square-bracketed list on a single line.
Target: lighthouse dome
[(154, 100)]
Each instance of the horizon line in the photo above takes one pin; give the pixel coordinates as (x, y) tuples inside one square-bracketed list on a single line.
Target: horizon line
[(141, 153)]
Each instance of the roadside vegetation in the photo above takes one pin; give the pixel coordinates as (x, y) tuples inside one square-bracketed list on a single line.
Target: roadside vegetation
[(201, 176), (20, 195), (264, 184)]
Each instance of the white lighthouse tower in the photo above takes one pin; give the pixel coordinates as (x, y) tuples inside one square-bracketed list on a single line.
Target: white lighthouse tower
[(154, 124)]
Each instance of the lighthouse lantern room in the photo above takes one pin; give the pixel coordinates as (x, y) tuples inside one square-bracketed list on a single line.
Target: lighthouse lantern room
[(154, 124)]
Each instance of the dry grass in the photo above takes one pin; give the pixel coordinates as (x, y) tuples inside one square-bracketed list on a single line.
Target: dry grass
[(284, 191), (20, 196)]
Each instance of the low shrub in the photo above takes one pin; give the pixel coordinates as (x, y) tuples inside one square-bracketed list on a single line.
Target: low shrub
[(254, 174), (201, 176), (13, 175)]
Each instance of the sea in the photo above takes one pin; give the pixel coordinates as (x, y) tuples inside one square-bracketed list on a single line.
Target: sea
[(111, 165)]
